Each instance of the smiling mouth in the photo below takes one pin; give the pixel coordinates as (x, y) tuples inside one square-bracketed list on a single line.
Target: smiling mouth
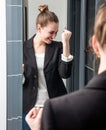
[(50, 39)]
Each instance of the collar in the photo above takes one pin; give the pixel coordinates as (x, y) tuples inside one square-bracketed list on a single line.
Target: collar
[(98, 82)]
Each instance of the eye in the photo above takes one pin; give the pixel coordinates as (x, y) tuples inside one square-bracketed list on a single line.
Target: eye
[(53, 32)]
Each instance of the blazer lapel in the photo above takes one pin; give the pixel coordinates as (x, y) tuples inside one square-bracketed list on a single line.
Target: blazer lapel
[(31, 53), (48, 54), (98, 82)]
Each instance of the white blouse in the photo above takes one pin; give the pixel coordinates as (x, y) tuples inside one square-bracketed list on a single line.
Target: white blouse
[(42, 95)]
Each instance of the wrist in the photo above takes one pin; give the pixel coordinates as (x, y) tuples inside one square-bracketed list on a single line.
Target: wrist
[(67, 58)]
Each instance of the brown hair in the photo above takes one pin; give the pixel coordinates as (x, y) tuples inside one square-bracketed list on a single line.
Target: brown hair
[(45, 16)]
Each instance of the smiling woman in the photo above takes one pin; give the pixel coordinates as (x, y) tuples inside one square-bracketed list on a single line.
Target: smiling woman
[(46, 61)]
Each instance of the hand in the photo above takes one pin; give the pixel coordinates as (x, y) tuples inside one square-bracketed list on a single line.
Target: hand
[(65, 40), (33, 118), (66, 36)]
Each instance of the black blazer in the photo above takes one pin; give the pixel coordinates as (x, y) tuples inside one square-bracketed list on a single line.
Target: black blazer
[(54, 70), (82, 110)]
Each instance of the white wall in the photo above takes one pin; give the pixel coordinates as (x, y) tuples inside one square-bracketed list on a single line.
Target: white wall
[(57, 6)]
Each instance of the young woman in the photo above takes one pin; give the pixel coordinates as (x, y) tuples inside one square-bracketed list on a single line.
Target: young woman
[(46, 61), (84, 109)]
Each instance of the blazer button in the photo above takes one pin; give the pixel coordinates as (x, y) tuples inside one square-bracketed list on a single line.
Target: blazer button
[(35, 76), (33, 87)]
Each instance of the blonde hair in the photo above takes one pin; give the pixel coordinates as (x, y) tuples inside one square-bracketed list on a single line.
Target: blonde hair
[(45, 16), (99, 28), (100, 25)]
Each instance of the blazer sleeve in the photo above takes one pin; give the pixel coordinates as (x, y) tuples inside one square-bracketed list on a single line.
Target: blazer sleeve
[(48, 121), (60, 114), (65, 68)]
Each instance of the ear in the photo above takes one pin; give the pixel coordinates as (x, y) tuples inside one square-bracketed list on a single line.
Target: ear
[(39, 27), (95, 45)]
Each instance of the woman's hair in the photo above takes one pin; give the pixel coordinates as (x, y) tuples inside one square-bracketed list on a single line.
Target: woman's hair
[(99, 29), (45, 16), (100, 25)]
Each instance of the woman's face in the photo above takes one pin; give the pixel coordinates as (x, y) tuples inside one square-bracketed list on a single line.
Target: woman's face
[(49, 32)]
